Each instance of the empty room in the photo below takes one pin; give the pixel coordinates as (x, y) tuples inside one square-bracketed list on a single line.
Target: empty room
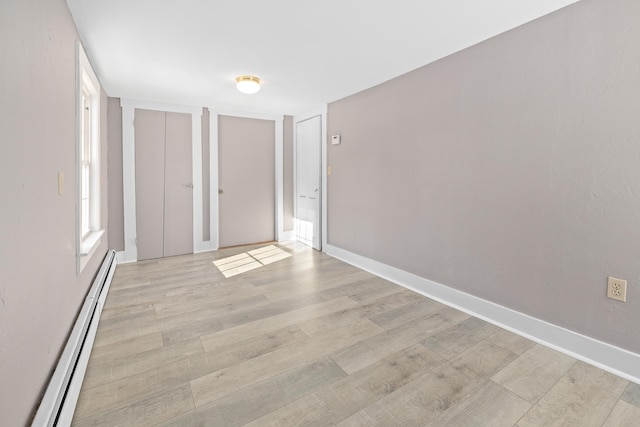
[(338, 213)]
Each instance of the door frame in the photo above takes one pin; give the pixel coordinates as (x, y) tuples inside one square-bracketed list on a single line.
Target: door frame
[(278, 119), (322, 112), (130, 253)]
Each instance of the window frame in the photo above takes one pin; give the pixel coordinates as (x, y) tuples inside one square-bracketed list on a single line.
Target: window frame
[(88, 224)]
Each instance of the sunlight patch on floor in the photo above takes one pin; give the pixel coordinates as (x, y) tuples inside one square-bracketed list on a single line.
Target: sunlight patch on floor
[(247, 261)]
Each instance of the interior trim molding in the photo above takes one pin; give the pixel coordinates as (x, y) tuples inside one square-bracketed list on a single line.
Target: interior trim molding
[(610, 358), (279, 178), (214, 229), (287, 235), (86, 79), (120, 257)]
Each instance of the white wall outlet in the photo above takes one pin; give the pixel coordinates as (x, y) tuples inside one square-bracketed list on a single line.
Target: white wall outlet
[(617, 289)]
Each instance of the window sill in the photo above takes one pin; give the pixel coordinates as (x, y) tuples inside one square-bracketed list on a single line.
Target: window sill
[(88, 247)]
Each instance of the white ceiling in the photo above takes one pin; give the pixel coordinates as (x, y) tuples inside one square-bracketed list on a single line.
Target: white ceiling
[(306, 52)]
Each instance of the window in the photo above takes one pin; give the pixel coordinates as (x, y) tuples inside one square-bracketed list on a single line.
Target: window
[(88, 224), (85, 165)]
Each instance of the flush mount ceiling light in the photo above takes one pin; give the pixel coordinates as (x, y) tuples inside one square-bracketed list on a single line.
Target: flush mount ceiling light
[(248, 84)]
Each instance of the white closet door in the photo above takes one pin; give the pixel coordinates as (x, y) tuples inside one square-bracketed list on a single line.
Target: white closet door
[(308, 192)]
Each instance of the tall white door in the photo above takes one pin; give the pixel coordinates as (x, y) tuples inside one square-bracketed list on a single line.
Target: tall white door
[(308, 191)]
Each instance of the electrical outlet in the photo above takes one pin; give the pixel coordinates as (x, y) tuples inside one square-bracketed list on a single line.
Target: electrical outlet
[(617, 289)]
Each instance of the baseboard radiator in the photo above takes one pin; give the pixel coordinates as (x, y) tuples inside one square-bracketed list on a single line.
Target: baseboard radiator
[(61, 396)]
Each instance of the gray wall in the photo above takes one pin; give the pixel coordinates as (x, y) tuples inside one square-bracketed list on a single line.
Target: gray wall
[(116, 202), (40, 293), (287, 187), (509, 170)]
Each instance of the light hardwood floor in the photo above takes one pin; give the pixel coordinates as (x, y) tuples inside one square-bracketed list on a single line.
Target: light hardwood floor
[(312, 341)]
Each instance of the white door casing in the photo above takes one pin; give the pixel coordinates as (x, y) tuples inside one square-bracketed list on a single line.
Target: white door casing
[(129, 182)]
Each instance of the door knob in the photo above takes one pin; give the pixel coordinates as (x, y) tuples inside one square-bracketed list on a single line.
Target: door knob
[(220, 191)]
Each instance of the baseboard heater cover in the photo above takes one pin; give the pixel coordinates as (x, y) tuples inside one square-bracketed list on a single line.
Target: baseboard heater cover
[(60, 398)]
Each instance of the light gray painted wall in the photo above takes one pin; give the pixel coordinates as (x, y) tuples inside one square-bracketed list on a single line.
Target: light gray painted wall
[(509, 170), (287, 186), (116, 202), (40, 293)]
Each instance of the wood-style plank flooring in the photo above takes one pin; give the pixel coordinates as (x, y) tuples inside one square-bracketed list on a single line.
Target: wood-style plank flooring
[(312, 341)]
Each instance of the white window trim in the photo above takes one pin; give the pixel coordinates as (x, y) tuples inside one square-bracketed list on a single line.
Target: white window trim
[(86, 78)]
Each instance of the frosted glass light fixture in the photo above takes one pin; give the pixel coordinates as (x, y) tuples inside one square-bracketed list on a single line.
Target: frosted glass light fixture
[(248, 84)]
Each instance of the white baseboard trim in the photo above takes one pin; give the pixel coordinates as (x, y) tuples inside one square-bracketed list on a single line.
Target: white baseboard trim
[(121, 258), (201, 250), (605, 356), (286, 236)]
